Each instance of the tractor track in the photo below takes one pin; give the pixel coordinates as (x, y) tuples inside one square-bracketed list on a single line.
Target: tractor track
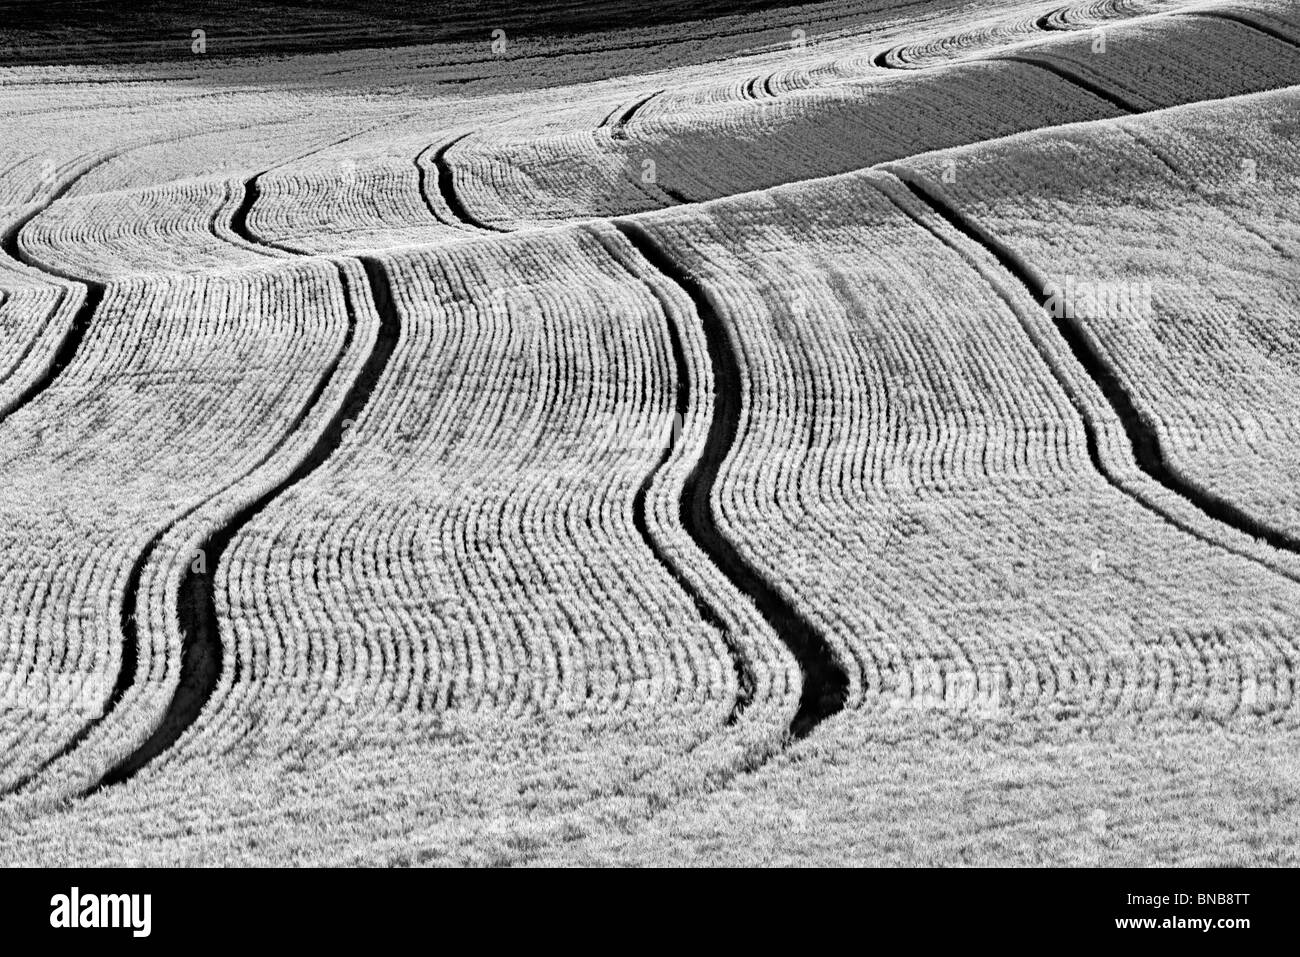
[(197, 612), (447, 189), (618, 124), (1232, 17), (1069, 76), (1143, 439), (690, 490), (825, 683)]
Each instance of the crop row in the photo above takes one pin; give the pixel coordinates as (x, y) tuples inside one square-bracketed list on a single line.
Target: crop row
[(1208, 350), (699, 141), (181, 387), (1168, 61), (470, 554), (999, 29), (913, 473), (177, 228), (371, 191), (371, 186)]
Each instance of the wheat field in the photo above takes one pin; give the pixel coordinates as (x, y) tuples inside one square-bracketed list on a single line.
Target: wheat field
[(861, 432)]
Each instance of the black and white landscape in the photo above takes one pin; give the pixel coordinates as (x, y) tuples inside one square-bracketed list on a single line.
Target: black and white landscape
[(849, 433)]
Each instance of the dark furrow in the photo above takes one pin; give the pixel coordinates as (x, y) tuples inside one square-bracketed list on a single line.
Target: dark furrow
[(1243, 21), (618, 127), (675, 195), (76, 331), (825, 683), (1111, 97), (1045, 23), (447, 187), (9, 240), (66, 349), (681, 404), (200, 667), (239, 219), (424, 184), (609, 118), (1142, 436), (197, 612)]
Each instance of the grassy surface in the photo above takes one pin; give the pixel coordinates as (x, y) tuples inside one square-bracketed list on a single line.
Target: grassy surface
[(396, 335), (107, 31)]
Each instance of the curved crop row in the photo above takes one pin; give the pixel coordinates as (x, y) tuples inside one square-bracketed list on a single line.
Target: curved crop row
[(468, 562), (1099, 13), (184, 225), (1187, 299), (514, 181), (370, 191), (181, 384), (36, 313), (925, 492), (998, 30), (45, 164), (175, 228), (1168, 61), (975, 39)]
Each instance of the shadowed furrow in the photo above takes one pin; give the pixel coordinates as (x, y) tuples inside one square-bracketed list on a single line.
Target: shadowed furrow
[(239, 219), (1143, 440), (686, 505), (1200, 424), (1110, 96), (824, 680), (201, 662), (618, 128), (447, 189)]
